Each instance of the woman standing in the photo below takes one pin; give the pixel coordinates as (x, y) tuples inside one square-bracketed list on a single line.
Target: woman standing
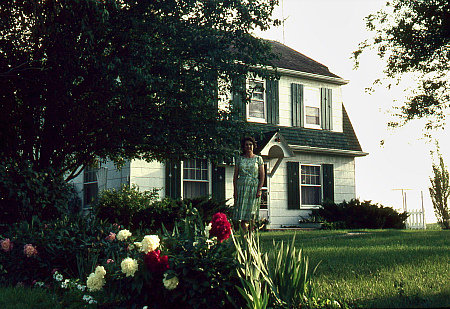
[(247, 181)]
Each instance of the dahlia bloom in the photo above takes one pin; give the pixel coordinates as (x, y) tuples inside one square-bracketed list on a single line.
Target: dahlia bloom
[(29, 250), (155, 262), (220, 227), (6, 245), (129, 266), (150, 243)]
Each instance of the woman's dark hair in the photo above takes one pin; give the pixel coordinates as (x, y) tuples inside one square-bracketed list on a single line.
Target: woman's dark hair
[(248, 138)]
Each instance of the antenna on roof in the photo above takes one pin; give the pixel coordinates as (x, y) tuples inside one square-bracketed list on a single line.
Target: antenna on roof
[(282, 17)]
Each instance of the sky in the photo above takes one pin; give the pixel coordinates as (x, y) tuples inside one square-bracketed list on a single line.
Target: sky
[(328, 31)]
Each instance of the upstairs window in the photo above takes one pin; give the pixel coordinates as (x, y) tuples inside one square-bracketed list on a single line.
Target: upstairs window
[(257, 104), (312, 108), (90, 186)]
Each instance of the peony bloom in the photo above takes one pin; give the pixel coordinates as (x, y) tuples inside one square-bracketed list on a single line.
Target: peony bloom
[(207, 230), (220, 227), (96, 280), (111, 236), (171, 283), (155, 262), (123, 234), (29, 250), (6, 245), (129, 266), (149, 243)]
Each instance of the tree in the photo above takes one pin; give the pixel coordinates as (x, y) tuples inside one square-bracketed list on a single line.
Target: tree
[(121, 79), (440, 192), (414, 36)]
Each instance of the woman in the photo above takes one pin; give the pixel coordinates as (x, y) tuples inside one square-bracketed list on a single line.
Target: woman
[(247, 181)]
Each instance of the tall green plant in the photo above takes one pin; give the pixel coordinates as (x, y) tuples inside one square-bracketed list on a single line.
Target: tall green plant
[(440, 192), (290, 273)]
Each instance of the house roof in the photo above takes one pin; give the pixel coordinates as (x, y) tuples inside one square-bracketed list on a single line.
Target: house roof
[(289, 58), (316, 139)]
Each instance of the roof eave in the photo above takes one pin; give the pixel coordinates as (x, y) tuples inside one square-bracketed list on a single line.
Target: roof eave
[(312, 76), (342, 152)]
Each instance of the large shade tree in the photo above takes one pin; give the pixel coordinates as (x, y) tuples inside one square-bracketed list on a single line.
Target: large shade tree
[(86, 79), (413, 36)]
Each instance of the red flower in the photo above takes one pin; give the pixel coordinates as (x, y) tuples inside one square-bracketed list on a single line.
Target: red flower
[(155, 262), (220, 227)]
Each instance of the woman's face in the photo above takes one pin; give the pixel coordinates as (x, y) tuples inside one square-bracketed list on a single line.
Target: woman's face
[(248, 146)]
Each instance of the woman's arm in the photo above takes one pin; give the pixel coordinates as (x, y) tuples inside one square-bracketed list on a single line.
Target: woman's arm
[(261, 179), (235, 177)]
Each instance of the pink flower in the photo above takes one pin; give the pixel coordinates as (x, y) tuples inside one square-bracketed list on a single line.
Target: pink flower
[(54, 270), (111, 236), (29, 250), (155, 262), (220, 227), (109, 261), (6, 245)]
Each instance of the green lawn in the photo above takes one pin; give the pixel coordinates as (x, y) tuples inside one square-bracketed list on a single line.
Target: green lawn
[(377, 268)]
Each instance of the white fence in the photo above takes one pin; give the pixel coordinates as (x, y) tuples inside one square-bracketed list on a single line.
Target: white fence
[(416, 220)]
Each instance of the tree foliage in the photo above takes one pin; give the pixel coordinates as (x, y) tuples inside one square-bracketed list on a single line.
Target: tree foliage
[(119, 79), (414, 36), (440, 192)]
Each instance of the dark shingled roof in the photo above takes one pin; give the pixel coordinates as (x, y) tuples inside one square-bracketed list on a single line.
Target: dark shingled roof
[(346, 140), (293, 60)]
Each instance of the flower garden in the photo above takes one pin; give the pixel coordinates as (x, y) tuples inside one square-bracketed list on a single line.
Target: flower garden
[(198, 263)]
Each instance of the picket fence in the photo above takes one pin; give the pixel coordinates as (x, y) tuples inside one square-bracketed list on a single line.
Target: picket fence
[(416, 220)]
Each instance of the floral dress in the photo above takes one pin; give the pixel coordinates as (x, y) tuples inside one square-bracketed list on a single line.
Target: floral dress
[(246, 204)]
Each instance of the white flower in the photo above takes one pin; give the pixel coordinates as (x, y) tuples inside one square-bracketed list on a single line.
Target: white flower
[(207, 229), (123, 234), (145, 307), (138, 244), (39, 283), (81, 287), (100, 271), (58, 276), (210, 243), (171, 283), (96, 280), (64, 285), (195, 243), (129, 266), (150, 243)]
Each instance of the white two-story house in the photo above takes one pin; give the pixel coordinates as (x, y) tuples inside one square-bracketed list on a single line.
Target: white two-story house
[(308, 145)]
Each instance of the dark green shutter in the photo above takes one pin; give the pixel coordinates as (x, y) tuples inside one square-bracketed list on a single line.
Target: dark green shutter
[(238, 89), (218, 182), (293, 184), (297, 105), (326, 107), (173, 179), (214, 89), (328, 183), (273, 101)]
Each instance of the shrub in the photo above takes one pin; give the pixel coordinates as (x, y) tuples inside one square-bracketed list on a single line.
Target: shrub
[(356, 215), (26, 193), (130, 207), (121, 206), (440, 192)]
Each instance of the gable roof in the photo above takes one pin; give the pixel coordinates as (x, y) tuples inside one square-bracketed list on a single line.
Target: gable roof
[(344, 142), (291, 59)]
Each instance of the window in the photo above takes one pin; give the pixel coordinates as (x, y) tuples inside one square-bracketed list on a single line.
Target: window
[(195, 178), (312, 108), (310, 185), (264, 190), (90, 186), (257, 105)]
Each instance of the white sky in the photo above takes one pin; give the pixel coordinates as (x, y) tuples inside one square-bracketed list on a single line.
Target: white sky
[(328, 31)]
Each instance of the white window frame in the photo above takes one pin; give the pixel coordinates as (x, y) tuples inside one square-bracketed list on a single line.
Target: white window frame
[(93, 170), (307, 206), (311, 99), (257, 119), (209, 181)]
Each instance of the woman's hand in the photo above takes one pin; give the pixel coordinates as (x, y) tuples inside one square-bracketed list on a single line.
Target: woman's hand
[(258, 193)]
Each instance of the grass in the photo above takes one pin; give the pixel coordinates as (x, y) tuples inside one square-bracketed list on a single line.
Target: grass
[(377, 268)]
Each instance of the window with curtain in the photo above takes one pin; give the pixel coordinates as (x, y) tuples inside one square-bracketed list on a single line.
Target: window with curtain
[(257, 105), (311, 188), (312, 107), (195, 178)]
